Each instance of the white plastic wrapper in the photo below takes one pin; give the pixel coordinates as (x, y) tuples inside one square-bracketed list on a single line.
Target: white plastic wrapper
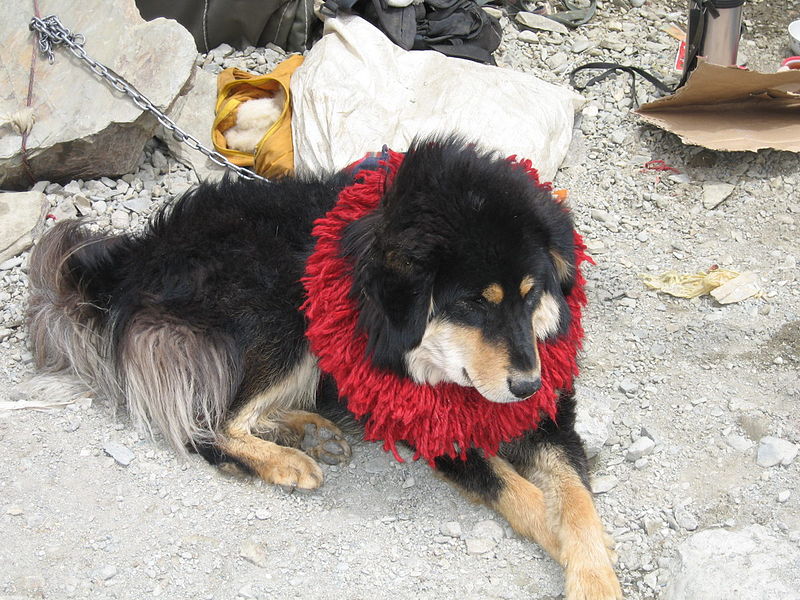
[(357, 91)]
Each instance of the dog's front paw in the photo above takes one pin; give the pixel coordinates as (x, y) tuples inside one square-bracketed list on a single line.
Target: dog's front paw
[(592, 583), (326, 444), (292, 469)]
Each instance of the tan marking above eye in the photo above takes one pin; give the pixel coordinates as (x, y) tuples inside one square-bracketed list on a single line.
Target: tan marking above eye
[(493, 293), (526, 285)]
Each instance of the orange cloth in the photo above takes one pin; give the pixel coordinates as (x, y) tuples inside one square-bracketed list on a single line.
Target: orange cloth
[(274, 156)]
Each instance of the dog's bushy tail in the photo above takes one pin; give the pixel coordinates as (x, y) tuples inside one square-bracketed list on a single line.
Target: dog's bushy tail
[(172, 377)]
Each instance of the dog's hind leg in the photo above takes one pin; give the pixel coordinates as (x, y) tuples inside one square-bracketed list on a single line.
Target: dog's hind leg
[(272, 435)]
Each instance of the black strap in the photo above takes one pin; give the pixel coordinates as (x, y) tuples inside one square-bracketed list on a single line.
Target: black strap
[(612, 69)]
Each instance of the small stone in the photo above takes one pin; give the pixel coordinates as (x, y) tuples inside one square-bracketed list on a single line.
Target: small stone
[(738, 442), (618, 136), (72, 188), (100, 207), (409, 483), (591, 111), (685, 519), (637, 3), (581, 46), (14, 511), (255, 553), (119, 453), (451, 529), (137, 205), (479, 545), (604, 483), (715, 194), (488, 529), (775, 451), (528, 36), (641, 447), (539, 22), (643, 236), (159, 160), (784, 496), (105, 573), (10, 263), (120, 219), (628, 387), (262, 514)]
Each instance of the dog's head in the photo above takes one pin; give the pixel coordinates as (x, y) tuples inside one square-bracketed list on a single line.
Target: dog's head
[(462, 270)]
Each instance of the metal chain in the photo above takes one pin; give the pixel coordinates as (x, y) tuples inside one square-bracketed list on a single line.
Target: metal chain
[(52, 33)]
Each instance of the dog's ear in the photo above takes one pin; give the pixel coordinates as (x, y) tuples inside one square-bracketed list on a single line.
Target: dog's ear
[(563, 259), (392, 285)]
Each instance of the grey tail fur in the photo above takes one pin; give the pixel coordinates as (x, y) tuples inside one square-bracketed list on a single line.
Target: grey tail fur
[(172, 377)]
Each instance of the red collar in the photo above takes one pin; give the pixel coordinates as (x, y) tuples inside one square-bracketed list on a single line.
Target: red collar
[(444, 419)]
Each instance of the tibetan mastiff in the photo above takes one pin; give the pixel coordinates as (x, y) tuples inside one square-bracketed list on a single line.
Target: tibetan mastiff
[(195, 325)]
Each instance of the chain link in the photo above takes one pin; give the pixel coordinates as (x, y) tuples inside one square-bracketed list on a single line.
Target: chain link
[(52, 33)]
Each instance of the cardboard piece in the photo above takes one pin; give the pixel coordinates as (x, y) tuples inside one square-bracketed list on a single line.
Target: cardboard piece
[(727, 108)]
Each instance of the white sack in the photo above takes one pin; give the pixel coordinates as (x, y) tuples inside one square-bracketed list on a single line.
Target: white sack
[(357, 91)]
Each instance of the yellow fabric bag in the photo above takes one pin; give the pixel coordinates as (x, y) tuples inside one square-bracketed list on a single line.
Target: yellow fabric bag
[(274, 156)]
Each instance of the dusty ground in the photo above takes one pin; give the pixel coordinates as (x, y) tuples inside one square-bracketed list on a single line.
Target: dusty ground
[(704, 381)]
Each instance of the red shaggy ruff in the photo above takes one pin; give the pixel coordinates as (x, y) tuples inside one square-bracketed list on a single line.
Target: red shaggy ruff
[(443, 419)]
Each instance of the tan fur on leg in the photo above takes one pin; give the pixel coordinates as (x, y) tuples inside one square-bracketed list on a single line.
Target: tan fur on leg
[(273, 463), (523, 506), (584, 549)]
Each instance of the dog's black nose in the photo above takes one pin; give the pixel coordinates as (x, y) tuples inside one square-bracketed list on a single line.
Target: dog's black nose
[(522, 387)]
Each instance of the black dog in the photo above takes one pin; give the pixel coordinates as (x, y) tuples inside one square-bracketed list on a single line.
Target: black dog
[(195, 325)]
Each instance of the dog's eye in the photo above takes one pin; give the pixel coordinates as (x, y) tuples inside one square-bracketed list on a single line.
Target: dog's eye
[(473, 302)]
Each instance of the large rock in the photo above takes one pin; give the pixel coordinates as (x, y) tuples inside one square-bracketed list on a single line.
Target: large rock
[(193, 111), (751, 564), (82, 127), (20, 214)]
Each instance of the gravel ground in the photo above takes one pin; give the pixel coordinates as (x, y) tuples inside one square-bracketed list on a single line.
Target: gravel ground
[(681, 397)]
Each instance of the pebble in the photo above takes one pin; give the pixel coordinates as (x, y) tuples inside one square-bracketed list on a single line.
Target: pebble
[(9, 264), (640, 448), (604, 483), (262, 514), (784, 496), (528, 36), (581, 45), (255, 553), (479, 545), (774, 451), (120, 219), (137, 205), (488, 529), (105, 573), (628, 387), (715, 194), (685, 518), (14, 511), (122, 454), (100, 207), (451, 529)]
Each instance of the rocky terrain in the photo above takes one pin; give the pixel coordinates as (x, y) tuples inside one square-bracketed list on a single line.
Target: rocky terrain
[(689, 407)]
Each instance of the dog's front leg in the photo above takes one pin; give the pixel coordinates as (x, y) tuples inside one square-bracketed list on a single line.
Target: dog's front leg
[(550, 506)]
